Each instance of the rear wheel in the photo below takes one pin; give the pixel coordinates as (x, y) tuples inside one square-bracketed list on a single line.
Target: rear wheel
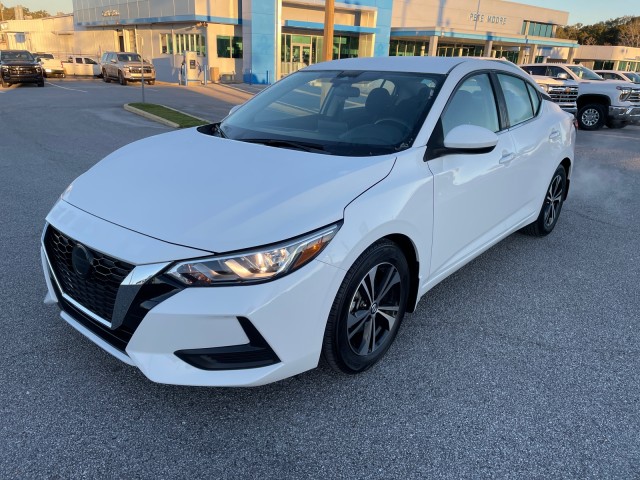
[(550, 211), (591, 117), (368, 309)]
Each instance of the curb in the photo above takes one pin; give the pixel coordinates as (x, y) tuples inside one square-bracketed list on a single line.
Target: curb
[(155, 118)]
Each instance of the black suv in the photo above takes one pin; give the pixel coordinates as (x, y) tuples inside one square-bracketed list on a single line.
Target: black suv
[(19, 66)]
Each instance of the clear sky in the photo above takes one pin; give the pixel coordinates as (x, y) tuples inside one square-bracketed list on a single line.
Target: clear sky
[(580, 11)]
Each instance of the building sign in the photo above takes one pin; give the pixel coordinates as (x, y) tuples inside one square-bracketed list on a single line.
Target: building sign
[(482, 18)]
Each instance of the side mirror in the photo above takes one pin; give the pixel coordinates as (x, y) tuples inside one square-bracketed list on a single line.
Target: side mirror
[(562, 76), (233, 109), (470, 139), (113, 60)]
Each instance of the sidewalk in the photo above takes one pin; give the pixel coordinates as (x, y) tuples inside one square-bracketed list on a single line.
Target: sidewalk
[(243, 87)]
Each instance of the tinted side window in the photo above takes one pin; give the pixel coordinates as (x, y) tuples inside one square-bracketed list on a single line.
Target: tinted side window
[(473, 103), (554, 71), (516, 96), (542, 70)]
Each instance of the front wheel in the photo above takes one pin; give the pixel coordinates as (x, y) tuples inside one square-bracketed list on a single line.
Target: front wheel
[(105, 77), (121, 79), (550, 211), (368, 309), (591, 117)]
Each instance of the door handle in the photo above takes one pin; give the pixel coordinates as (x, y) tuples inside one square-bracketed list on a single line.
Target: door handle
[(555, 135), (507, 158)]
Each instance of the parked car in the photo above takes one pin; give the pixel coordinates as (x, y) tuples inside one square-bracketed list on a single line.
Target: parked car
[(19, 66), (308, 221), (82, 66), (51, 66), (619, 75), (126, 67), (613, 103), (562, 92)]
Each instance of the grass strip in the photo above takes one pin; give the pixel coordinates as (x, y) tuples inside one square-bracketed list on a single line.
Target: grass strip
[(182, 119)]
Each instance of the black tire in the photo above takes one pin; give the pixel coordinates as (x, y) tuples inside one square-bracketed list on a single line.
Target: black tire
[(121, 79), (349, 348), (592, 117), (615, 124), (41, 84), (105, 77), (551, 207)]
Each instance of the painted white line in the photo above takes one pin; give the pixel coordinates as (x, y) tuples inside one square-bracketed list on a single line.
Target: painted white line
[(66, 88)]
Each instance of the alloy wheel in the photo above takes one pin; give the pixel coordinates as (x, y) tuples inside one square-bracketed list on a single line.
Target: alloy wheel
[(374, 309), (590, 117), (553, 200)]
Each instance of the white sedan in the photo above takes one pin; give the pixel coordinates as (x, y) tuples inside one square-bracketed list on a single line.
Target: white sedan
[(308, 221)]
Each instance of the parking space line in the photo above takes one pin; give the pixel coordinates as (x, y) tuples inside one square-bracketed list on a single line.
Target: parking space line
[(66, 88)]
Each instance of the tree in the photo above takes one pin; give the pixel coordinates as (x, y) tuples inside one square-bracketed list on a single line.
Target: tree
[(630, 33)]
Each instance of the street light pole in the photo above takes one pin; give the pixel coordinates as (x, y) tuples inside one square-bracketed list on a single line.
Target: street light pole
[(329, 11)]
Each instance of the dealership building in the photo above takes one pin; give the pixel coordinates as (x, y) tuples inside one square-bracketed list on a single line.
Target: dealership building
[(260, 41)]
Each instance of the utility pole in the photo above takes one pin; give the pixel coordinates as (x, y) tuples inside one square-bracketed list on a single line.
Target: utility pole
[(328, 30)]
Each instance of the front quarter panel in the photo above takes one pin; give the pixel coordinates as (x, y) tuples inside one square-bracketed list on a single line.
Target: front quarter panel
[(402, 203)]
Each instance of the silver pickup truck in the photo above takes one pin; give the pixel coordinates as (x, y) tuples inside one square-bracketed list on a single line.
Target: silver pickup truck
[(600, 102)]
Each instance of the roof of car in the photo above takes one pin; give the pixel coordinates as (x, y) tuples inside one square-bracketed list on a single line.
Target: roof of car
[(416, 64)]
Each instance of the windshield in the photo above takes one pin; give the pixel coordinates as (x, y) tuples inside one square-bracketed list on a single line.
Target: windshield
[(354, 113), (129, 57), (9, 55), (634, 77), (584, 73)]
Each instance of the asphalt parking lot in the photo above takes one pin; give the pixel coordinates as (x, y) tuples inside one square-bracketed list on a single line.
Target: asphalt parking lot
[(524, 364)]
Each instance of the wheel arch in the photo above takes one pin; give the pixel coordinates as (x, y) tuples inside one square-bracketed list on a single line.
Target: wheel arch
[(589, 99), (566, 164), (409, 251)]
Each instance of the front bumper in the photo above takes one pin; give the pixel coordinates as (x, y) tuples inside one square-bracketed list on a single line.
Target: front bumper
[(629, 114), (22, 78), (54, 71), (288, 314), (137, 77)]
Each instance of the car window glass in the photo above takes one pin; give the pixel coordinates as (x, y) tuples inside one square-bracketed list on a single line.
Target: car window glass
[(78, 60), (535, 98), (473, 103), (517, 99), (535, 70)]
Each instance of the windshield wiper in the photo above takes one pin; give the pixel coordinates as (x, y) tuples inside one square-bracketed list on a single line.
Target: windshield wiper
[(273, 142), (217, 130)]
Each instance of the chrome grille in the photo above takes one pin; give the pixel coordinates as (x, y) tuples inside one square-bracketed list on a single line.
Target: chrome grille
[(22, 70), (635, 96), (563, 94), (138, 70)]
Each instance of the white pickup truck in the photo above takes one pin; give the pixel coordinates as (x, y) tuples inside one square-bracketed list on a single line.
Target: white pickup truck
[(600, 102), (51, 66)]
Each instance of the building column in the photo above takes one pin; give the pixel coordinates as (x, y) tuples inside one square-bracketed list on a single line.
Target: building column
[(488, 49), (533, 50), (433, 46), (571, 55), (521, 54), (259, 41)]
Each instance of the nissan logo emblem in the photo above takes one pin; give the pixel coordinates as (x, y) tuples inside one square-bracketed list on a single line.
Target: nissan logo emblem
[(81, 260)]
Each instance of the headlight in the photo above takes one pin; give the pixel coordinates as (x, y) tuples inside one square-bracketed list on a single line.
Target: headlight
[(255, 265), (544, 86), (126, 69), (624, 93)]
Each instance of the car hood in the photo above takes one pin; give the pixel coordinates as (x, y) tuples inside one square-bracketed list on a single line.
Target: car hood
[(19, 63), (221, 195)]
